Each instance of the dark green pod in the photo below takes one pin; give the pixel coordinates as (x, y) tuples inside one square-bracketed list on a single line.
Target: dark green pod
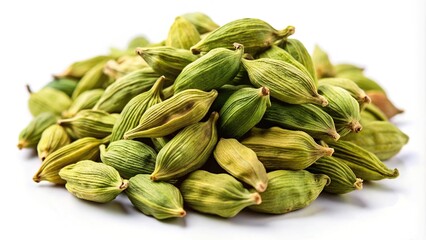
[(210, 71), (306, 117), (242, 111), (64, 85)]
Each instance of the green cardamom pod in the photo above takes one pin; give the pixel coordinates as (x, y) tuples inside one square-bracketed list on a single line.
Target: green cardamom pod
[(307, 117), (382, 138), (86, 100), (78, 69), (279, 148), (124, 65), (183, 109), (81, 149), (372, 113), (323, 66), (93, 79), (343, 108), (365, 83), (64, 85), (343, 179), (90, 123), (290, 190), (347, 67), (278, 53), (201, 21), (224, 93), (255, 34), (158, 199), (182, 34), (210, 71), (356, 92), (135, 108), (382, 101), (300, 53), (285, 81), (48, 100), (242, 111), (52, 138), (119, 93), (167, 61), (30, 136), (241, 162), (187, 151), (363, 163), (129, 157), (93, 181), (218, 194)]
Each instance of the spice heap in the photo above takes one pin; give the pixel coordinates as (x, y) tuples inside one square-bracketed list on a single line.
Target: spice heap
[(214, 118)]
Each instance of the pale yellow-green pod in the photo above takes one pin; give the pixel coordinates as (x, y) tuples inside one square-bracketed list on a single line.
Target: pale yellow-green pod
[(53, 138), (31, 134), (241, 162), (182, 34), (90, 123), (323, 66), (217, 194), (279, 148), (82, 149), (93, 181), (290, 190), (202, 22), (48, 100), (86, 100)]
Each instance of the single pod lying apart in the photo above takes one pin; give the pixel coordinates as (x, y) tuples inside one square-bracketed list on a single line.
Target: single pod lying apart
[(343, 179), (279, 148), (286, 82), (218, 194), (241, 162), (187, 151), (183, 109), (93, 181), (158, 199), (290, 190)]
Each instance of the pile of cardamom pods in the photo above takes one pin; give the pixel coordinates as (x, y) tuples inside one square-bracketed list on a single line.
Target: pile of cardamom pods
[(214, 118)]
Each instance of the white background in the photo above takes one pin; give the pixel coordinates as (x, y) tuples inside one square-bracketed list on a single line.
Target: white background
[(40, 38)]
